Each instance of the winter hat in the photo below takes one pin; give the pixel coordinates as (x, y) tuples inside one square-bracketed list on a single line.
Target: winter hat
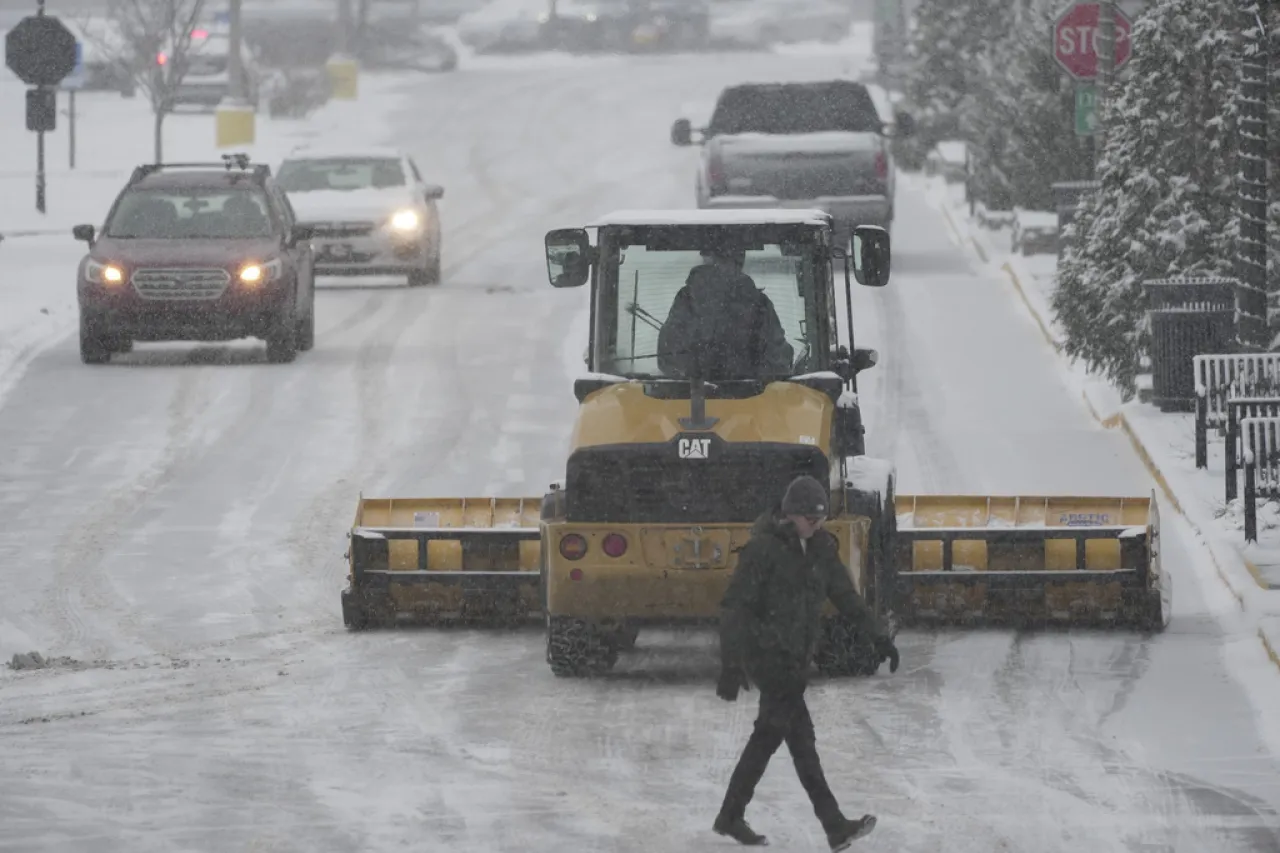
[(805, 497)]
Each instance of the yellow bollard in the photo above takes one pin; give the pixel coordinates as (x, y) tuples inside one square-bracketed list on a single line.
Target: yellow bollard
[(234, 124), (343, 74)]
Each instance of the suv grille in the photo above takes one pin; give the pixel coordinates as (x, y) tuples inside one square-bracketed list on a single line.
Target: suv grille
[(333, 230), (181, 283), (636, 484)]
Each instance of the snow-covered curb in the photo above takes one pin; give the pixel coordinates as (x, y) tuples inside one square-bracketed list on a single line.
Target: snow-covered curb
[(1164, 442)]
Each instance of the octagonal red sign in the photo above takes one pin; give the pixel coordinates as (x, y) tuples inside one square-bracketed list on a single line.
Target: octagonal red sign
[(1075, 40)]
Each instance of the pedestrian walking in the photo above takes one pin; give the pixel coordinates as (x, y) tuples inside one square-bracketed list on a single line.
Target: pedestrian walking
[(768, 634)]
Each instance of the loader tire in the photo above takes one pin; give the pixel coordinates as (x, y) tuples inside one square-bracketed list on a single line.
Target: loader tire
[(355, 612), (577, 649), (842, 651)]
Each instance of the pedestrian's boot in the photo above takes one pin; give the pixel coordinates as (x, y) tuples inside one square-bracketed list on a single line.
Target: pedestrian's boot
[(847, 831), (737, 829)]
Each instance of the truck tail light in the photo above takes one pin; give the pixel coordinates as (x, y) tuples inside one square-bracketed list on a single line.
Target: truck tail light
[(717, 182)]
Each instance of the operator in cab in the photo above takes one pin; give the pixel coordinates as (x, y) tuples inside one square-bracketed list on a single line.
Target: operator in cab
[(722, 326)]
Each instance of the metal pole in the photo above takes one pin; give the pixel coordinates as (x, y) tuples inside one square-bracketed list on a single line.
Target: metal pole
[(236, 68), (71, 127), (1106, 63), (1252, 293), (344, 27), (40, 171)]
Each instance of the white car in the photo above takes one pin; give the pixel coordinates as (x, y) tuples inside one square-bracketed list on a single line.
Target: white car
[(371, 211), (505, 25), (206, 80)]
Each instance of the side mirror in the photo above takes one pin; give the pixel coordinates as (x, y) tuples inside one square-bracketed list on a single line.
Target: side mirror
[(568, 257), (871, 256), (905, 125), (682, 132), (864, 359), (433, 192), (301, 234), (84, 232)]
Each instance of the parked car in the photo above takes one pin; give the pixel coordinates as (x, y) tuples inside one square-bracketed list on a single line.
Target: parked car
[(206, 76), (670, 25), (820, 144), (197, 252), (505, 25), (948, 160), (109, 62), (763, 23), (1035, 232), (370, 210)]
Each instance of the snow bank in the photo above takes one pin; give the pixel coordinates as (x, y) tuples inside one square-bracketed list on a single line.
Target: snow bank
[(39, 258), (1165, 441)]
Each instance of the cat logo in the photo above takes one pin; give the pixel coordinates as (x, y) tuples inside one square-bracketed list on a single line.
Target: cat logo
[(694, 448)]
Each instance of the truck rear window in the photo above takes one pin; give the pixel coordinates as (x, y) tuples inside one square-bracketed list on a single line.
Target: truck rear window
[(795, 109)]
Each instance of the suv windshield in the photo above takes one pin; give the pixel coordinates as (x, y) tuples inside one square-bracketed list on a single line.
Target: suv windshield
[(176, 214), (676, 301), (795, 108), (346, 173)]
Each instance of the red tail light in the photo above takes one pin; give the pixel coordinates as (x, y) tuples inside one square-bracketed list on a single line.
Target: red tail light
[(573, 547), (882, 166), (717, 182), (615, 545)]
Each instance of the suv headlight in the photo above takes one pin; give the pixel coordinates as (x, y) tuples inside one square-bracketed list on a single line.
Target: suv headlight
[(108, 274), (406, 221), (255, 274)]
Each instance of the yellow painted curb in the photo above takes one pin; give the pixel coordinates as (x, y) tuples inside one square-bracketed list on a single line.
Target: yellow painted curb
[(1257, 573), (982, 253), (1271, 650), (1035, 315)]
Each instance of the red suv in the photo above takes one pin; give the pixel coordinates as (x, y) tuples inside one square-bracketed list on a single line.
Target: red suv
[(197, 252)]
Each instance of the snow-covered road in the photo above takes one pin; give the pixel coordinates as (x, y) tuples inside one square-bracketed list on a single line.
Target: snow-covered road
[(173, 525)]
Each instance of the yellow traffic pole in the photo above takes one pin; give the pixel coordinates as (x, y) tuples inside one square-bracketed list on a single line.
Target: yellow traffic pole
[(234, 117), (342, 67)]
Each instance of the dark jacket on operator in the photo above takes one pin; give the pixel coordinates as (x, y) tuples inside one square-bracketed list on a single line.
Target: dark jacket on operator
[(770, 614)]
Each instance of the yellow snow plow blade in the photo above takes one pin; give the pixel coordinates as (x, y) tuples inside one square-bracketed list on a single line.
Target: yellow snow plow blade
[(1029, 561), (443, 559)]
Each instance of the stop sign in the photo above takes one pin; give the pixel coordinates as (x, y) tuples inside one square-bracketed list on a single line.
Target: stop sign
[(40, 50), (1075, 40)]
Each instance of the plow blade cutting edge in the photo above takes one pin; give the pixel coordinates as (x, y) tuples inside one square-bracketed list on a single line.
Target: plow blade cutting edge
[(444, 559), (1029, 561)]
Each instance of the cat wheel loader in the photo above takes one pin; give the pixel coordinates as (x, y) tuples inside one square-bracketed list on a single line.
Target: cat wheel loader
[(677, 449)]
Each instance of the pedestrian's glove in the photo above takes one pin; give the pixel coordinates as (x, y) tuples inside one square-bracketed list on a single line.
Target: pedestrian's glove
[(731, 681), (886, 650)]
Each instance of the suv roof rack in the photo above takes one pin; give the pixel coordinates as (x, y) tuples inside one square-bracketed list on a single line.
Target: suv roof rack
[(259, 174)]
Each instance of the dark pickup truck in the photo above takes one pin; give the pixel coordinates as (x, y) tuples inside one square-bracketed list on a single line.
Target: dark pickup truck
[(817, 145)]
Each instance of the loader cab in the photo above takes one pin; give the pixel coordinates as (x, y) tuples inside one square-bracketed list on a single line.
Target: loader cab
[(646, 269)]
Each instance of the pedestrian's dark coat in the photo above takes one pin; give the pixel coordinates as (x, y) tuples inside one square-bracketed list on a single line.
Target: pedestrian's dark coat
[(769, 626)]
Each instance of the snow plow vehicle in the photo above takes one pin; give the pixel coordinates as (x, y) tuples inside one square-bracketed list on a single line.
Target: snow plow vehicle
[(678, 448)]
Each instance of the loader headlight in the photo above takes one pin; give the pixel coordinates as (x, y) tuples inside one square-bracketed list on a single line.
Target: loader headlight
[(108, 274), (406, 220), (254, 274)]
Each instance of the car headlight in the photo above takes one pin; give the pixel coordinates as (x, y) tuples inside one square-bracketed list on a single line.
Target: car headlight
[(406, 220), (108, 274), (260, 273)]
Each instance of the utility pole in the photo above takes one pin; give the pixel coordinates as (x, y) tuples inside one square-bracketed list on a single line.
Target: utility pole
[(236, 68), (1106, 70), (346, 23), (1252, 292)]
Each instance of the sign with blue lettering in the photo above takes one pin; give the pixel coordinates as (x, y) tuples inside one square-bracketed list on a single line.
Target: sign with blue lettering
[(75, 79)]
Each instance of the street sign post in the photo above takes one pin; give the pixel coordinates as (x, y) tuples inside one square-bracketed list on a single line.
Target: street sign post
[(1076, 38), (71, 83), (1086, 109), (41, 51)]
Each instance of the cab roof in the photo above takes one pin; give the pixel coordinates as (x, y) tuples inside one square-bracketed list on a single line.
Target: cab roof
[(740, 216)]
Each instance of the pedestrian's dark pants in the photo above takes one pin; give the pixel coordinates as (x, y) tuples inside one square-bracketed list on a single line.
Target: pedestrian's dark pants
[(783, 717)]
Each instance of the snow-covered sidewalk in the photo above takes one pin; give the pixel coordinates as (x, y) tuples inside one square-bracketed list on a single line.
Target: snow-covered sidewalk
[(1164, 441), (39, 257)]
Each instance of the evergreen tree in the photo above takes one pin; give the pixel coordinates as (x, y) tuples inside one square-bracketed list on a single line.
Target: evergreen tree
[(1022, 120), (1167, 202), (946, 41)]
